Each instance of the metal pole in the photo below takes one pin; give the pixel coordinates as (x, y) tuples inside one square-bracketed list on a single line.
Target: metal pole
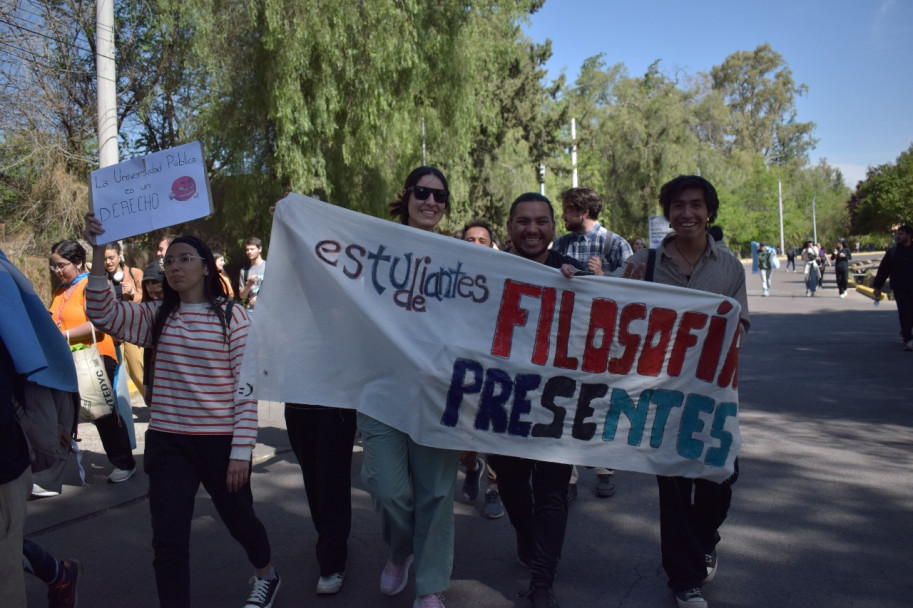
[(574, 152), (107, 83), (814, 219), (780, 194), (542, 179), (424, 162)]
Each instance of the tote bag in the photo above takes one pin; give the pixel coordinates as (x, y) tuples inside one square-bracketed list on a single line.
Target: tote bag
[(96, 395)]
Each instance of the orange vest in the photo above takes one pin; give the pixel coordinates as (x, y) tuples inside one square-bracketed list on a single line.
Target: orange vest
[(68, 309)]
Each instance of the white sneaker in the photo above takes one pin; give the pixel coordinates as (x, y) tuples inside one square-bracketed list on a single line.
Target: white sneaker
[(119, 475), (39, 492), (330, 584)]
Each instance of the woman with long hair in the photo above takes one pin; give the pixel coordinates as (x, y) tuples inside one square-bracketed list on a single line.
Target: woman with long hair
[(812, 268), (68, 309), (201, 430), (412, 484)]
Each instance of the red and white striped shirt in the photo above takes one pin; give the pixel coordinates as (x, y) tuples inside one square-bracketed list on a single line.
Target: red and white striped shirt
[(195, 379)]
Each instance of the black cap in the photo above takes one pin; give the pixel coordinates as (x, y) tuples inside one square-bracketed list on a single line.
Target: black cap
[(153, 272)]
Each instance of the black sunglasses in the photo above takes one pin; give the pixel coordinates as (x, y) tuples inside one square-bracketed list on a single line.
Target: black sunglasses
[(423, 192)]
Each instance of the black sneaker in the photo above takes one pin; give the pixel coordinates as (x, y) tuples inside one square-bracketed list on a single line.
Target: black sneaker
[(691, 598), (263, 593), (493, 508), (710, 561), (63, 594), (542, 597), (471, 482), (605, 486)]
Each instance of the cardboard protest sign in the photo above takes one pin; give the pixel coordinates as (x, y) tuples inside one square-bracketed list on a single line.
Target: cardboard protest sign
[(144, 194), (467, 347)]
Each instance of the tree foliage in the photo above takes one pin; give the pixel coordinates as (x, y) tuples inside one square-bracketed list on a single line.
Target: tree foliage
[(884, 200), (341, 100), (760, 92)]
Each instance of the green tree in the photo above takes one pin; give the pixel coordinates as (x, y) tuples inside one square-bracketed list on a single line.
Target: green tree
[(884, 199), (760, 92)]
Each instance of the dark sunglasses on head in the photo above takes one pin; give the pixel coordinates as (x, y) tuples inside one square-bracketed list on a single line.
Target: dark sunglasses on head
[(423, 192)]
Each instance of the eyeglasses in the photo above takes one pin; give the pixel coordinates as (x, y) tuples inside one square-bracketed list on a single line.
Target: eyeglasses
[(181, 260), (422, 193), (59, 267)]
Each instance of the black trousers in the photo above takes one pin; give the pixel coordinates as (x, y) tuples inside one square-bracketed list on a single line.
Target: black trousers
[(176, 466), (534, 493), (322, 439), (690, 514), (841, 276), (112, 432), (904, 301)]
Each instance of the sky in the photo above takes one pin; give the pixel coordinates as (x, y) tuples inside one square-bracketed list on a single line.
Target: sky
[(856, 56)]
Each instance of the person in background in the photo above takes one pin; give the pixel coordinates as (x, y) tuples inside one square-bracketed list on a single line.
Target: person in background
[(153, 291), (812, 271), (220, 265), (691, 511), (822, 262), (841, 257), (127, 282), (412, 484), (603, 252), (164, 242), (637, 243), (791, 258), (68, 310), (897, 264), (201, 430), (480, 233), (252, 276), (764, 267)]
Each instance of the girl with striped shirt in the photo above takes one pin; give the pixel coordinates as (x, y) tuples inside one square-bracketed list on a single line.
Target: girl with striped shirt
[(201, 429)]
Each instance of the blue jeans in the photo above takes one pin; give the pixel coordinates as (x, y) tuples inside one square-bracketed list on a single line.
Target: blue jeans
[(176, 466)]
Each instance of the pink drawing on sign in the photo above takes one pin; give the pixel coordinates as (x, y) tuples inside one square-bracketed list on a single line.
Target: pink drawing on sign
[(183, 188)]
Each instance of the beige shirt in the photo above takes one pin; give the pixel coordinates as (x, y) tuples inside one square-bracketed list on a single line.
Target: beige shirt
[(717, 271)]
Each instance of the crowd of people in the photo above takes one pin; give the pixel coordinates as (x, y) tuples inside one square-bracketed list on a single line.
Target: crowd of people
[(202, 432)]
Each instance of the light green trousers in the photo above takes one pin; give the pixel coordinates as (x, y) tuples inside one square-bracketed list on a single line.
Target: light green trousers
[(412, 487)]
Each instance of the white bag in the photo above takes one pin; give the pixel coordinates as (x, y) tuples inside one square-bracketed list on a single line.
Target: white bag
[(95, 392)]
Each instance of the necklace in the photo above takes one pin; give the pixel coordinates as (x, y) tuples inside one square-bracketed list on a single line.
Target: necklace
[(684, 257)]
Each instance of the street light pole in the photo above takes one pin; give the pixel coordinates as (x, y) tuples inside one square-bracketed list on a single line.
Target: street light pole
[(107, 83)]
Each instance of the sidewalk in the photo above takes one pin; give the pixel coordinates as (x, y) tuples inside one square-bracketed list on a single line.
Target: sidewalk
[(821, 514)]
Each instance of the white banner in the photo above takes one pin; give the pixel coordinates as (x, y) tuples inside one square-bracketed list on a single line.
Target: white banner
[(471, 348)]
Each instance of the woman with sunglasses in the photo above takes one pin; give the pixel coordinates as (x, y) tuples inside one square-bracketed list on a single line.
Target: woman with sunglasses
[(412, 484), (201, 430), (68, 310)]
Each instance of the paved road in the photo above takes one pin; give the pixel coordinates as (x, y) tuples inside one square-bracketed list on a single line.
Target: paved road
[(821, 515)]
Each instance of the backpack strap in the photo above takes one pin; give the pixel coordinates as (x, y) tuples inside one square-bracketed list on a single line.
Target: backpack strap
[(651, 263)]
